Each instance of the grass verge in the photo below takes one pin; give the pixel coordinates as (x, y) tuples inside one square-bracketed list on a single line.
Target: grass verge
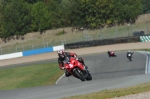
[(107, 94), (29, 76)]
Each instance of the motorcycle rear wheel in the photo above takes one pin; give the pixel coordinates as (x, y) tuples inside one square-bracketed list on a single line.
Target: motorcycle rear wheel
[(130, 59), (89, 77)]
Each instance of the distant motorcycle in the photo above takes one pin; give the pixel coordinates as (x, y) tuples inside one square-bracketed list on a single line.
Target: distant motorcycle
[(129, 56), (111, 54), (75, 68)]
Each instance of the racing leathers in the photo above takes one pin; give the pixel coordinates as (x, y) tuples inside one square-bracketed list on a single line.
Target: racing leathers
[(129, 53), (111, 53)]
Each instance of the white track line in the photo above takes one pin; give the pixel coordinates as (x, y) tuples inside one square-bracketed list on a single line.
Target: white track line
[(147, 61), (60, 78)]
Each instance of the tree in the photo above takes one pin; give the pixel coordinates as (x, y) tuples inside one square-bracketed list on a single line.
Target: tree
[(96, 13), (129, 10), (146, 6), (16, 19), (54, 8), (71, 12), (40, 17), (33, 1), (20, 16)]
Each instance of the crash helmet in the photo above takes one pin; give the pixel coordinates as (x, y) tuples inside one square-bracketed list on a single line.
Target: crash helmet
[(61, 53)]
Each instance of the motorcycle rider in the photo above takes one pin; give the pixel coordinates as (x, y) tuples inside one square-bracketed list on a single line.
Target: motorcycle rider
[(62, 55), (110, 53), (129, 52)]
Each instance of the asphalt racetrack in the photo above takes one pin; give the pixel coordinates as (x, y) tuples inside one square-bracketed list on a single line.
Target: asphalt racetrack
[(107, 73)]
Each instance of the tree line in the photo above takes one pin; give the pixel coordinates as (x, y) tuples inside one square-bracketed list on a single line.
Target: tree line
[(18, 17)]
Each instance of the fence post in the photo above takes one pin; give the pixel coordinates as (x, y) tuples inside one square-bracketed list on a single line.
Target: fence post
[(62, 42), (116, 30), (16, 48), (128, 28), (147, 27), (1, 51), (43, 40), (131, 30), (22, 46), (32, 45), (47, 44), (101, 35)]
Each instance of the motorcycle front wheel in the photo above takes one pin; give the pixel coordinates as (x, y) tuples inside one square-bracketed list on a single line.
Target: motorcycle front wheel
[(79, 74)]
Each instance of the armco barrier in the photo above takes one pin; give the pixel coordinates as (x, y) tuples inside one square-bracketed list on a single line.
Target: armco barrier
[(42, 50), (37, 51), (12, 55), (102, 42), (56, 48), (31, 52)]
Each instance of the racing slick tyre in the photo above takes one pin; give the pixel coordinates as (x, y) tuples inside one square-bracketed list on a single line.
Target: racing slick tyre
[(89, 77), (78, 74)]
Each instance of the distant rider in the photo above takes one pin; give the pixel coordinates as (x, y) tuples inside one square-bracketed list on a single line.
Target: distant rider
[(129, 53), (62, 55), (110, 53)]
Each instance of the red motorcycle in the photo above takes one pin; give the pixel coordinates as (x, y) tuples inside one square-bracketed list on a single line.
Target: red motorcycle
[(76, 68), (111, 54)]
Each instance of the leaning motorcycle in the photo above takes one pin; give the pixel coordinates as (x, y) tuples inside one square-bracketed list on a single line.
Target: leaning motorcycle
[(111, 54), (75, 68), (130, 56)]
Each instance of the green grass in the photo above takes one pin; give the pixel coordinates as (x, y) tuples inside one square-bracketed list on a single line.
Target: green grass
[(29, 76), (107, 94), (60, 33)]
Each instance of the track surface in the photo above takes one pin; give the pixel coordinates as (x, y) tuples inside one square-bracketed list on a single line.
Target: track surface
[(102, 67), (107, 73)]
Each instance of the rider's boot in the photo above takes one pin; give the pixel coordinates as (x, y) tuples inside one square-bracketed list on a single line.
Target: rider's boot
[(85, 71), (82, 61), (67, 74), (85, 66)]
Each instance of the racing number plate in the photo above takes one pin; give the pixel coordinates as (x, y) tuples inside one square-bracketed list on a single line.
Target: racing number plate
[(70, 65)]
